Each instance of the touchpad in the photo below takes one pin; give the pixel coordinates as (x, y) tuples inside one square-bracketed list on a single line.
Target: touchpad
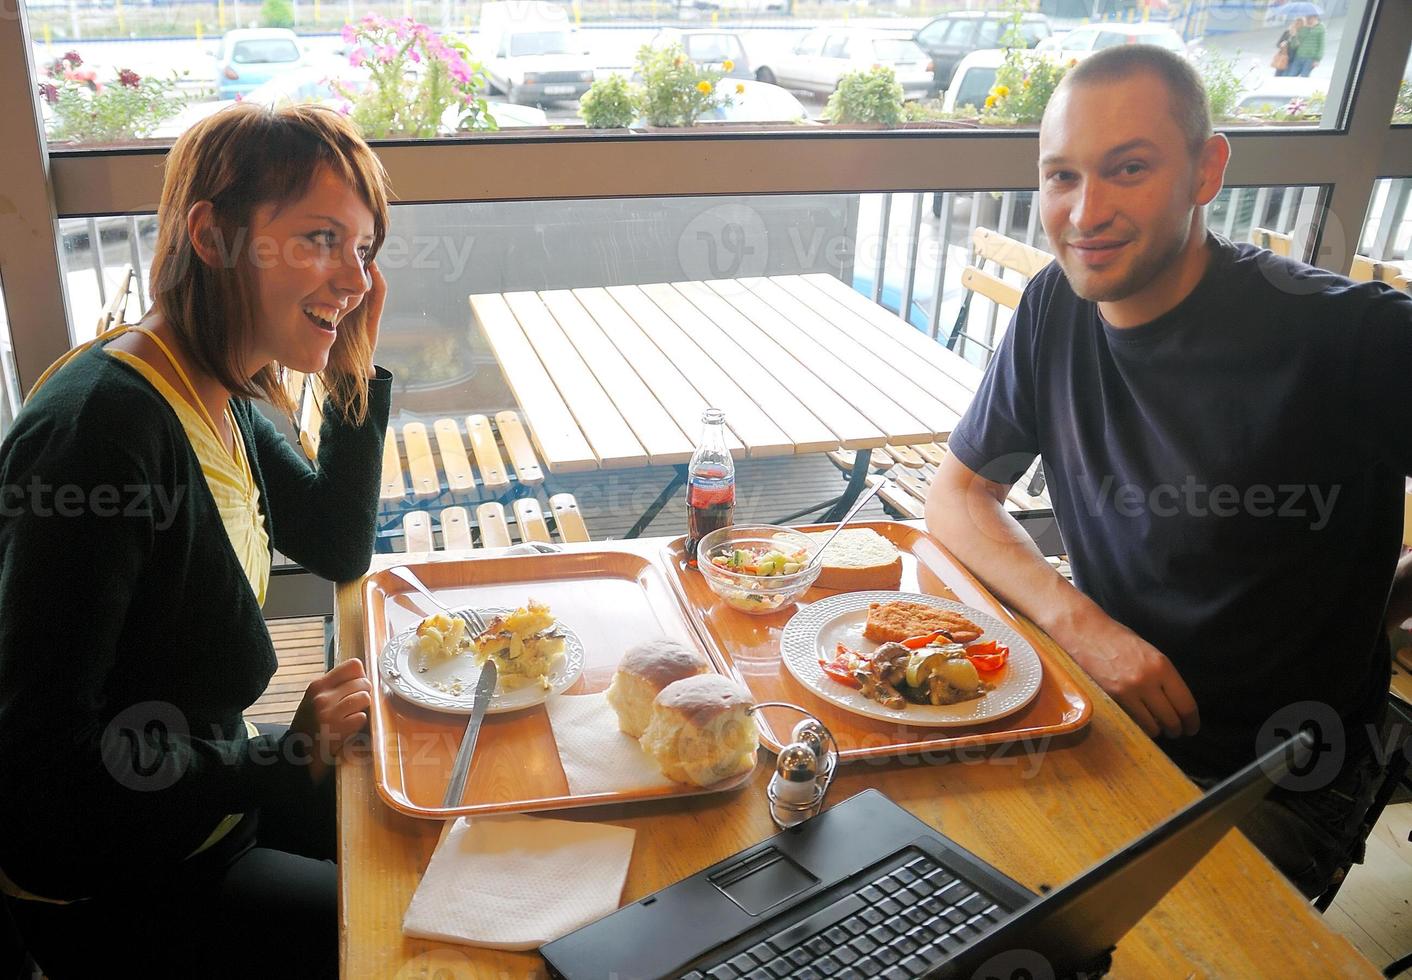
[(762, 880)]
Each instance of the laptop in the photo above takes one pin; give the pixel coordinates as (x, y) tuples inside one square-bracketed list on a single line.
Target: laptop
[(866, 890)]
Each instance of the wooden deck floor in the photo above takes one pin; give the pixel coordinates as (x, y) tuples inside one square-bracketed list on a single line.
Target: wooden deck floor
[(299, 645)]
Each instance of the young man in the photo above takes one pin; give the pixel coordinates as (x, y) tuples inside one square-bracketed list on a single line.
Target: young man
[(1307, 49), (1224, 434)]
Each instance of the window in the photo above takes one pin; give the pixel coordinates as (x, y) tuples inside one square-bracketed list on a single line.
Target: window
[(264, 52), (9, 384), (529, 44), (891, 50), (158, 44), (973, 86), (1387, 230), (989, 34)]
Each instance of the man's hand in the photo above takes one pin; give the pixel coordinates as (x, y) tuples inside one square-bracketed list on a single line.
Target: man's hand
[(1137, 675), (335, 707)]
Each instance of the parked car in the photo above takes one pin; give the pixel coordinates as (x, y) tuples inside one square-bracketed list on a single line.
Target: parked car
[(249, 57), (952, 36), (1277, 92), (973, 79), (1084, 41), (313, 83), (709, 49), (759, 102), (825, 54), (532, 54)]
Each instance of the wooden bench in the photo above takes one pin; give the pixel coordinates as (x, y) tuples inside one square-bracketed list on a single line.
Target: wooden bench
[(457, 468)]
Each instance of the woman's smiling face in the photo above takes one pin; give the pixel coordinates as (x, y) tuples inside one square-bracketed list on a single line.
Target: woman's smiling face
[(309, 262)]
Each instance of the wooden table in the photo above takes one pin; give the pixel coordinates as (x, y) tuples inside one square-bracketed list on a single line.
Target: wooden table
[(618, 377), (1039, 820)]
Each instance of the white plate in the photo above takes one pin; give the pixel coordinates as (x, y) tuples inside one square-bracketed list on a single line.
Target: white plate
[(401, 674), (817, 630)]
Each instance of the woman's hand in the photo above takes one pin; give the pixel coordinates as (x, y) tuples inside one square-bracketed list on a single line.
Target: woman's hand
[(335, 707)]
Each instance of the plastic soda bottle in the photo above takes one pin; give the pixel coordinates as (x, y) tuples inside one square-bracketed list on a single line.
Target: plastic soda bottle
[(710, 489)]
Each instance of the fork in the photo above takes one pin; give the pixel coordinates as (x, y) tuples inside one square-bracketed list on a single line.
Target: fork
[(470, 616)]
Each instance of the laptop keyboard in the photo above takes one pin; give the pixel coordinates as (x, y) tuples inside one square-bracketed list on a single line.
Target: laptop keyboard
[(894, 925)]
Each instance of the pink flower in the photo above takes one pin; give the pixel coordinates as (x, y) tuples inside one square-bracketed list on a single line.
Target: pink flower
[(416, 55), (129, 78), (386, 53), (49, 91), (356, 57), (72, 58), (344, 107), (348, 33)]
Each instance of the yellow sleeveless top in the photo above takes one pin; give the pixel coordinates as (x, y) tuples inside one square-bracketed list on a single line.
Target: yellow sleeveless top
[(232, 485)]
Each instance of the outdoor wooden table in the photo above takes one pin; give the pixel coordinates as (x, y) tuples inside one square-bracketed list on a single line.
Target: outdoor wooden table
[(1040, 819), (618, 377)]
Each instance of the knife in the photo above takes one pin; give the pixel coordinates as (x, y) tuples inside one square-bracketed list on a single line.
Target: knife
[(461, 768)]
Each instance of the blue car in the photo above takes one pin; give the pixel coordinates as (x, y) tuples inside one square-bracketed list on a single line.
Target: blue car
[(248, 58)]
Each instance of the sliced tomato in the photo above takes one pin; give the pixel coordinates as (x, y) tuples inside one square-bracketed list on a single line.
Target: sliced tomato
[(841, 667), (917, 642), (987, 656)]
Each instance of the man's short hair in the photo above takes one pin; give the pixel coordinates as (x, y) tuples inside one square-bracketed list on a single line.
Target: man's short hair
[(1185, 90)]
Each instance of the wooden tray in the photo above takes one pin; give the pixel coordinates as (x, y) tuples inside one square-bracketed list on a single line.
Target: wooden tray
[(612, 600), (750, 647)]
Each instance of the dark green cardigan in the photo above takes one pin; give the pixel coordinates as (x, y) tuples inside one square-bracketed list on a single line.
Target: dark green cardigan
[(130, 639)]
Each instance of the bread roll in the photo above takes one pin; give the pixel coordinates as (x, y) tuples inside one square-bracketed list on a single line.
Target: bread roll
[(859, 560), (702, 731), (644, 670)]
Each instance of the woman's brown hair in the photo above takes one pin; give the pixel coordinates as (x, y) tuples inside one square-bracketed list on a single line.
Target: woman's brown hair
[(240, 159)]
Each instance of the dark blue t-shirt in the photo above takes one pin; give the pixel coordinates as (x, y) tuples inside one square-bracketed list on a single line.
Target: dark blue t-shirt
[(1228, 478)]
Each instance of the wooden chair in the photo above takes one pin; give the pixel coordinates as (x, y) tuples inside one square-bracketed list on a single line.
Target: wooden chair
[(493, 527), (1007, 255), (1365, 269), (1277, 242), (115, 313)]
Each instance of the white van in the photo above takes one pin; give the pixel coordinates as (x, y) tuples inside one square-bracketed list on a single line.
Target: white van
[(531, 52)]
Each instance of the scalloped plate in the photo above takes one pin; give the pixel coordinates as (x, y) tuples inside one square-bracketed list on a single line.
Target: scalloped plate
[(817, 629), (402, 676)]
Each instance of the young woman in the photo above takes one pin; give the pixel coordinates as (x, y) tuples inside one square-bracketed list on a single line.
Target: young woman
[(145, 826)]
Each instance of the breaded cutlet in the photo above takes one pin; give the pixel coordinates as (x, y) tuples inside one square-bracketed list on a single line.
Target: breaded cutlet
[(897, 621)]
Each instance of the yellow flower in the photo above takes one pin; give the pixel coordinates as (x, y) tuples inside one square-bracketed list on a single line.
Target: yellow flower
[(1001, 91), (1026, 83), (704, 87), (728, 65), (739, 88), (1073, 62), (990, 102)]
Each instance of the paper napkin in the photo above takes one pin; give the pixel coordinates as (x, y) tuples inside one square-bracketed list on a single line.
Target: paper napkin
[(597, 756), (516, 882)]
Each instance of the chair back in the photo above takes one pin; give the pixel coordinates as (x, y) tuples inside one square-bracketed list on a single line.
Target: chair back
[(1008, 255), (1277, 242), (114, 314)]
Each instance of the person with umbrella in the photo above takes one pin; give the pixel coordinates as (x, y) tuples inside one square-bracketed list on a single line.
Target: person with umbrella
[(1307, 50), (1283, 62)]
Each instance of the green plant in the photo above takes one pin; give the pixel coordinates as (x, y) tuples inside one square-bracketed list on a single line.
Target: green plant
[(1223, 85), (872, 96), (610, 103), (675, 90), (276, 13), (1024, 82), (86, 110), (417, 80), (1402, 110)]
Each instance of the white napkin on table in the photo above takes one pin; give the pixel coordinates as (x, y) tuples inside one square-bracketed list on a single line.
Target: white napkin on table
[(597, 756), (516, 882)]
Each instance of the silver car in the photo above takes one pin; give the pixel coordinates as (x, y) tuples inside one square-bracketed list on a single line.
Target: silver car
[(825, 54)]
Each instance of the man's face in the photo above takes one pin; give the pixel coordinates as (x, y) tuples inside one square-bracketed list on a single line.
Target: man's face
[(1118, 186)]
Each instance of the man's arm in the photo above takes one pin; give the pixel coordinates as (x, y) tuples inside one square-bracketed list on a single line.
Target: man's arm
[(968, 514)]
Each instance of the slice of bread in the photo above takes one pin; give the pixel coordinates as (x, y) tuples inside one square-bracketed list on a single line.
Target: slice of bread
[(860, 559)]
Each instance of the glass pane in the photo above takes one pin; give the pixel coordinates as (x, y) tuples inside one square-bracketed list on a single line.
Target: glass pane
[(111, 74), (1402, 112), (96, 256), (10, 394), (1386, 239)]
